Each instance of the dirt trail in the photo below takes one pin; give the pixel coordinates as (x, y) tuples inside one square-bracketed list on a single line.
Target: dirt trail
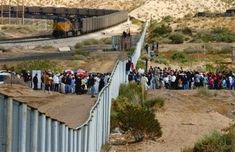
[(186, 118)]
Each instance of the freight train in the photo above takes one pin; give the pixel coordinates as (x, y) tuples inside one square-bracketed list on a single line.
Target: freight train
[(70, 21)]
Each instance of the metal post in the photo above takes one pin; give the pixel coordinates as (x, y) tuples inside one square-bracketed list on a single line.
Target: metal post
[(63, 138), (79, 140), (75, 140), (42, 131), (55, 136), (9, 124), (70, 145), (66, 138), (48, 135), (35, 131), (9, 12), (22, 131)]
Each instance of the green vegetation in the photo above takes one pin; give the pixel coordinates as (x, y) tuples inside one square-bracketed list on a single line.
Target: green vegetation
[(150, 103), (167, 19), (82, 52), (136, 21), (140, 64), (216, 35), (130, 51), (163, 32), (215, 142), (179, 57), (131, 115), (176, 38), (38, 65)]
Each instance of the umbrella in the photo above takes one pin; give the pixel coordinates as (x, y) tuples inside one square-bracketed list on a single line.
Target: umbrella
[(69, 71), (81, 73)]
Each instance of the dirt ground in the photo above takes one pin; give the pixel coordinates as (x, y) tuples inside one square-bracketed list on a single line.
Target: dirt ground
[(186, 117), (71, 109)]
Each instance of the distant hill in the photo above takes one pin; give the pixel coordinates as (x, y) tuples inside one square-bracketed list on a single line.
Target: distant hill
[(142, 9)]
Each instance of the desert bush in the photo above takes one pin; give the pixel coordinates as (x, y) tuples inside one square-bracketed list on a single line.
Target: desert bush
[(167, 19), (150, 103), (140, 64), (179, 56), (176, 38), (132, 91), (136, 119), (82, 52), (162, 60), (106, 41), (78, 45), (217, 35), (187, 31), (79, 57), (136, 21), (192, 50), (131, 116), (162, 30), (90, 42), (130, 51), (216, 142), (225, 50), (210, 68)]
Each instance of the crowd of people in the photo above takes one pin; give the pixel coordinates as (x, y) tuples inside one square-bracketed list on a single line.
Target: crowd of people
[(68, 82), (168, 78)]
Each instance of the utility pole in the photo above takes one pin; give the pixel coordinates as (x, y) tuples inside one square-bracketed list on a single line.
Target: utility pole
[(23, 12), (2, 3), (9, 12)]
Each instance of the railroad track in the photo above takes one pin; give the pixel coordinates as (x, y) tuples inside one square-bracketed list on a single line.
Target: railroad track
[(26, 39)]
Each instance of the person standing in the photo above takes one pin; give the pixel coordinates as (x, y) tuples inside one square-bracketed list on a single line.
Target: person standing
[(92, 83), (35, 82)]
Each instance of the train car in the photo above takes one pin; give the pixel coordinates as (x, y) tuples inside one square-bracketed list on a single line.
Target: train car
[(63, 27)]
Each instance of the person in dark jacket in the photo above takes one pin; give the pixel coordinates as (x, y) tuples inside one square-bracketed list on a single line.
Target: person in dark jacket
[(35, 82), (101, 84), (78, 85)]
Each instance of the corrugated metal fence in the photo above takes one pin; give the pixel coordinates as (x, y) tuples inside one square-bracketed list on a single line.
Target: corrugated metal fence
[(24, 129)]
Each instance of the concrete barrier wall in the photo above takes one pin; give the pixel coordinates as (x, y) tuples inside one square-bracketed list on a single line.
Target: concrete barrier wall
[(25, 129)]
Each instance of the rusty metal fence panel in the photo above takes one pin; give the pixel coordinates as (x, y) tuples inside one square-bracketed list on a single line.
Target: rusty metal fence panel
[(25, 129)]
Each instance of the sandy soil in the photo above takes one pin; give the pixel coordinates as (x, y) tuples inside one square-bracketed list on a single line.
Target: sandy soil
[(186, 118), (71, 109)]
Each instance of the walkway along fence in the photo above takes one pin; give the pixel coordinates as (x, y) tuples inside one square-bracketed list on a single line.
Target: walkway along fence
[(25, 129)]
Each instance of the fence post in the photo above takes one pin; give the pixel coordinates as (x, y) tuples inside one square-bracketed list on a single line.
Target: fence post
[(55, 136), (22, 127), (48, 134), (42, 131), (9, 124), (35, 131)]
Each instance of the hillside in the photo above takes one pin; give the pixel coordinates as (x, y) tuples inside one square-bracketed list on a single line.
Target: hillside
[(178, 8), (143, 9)]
